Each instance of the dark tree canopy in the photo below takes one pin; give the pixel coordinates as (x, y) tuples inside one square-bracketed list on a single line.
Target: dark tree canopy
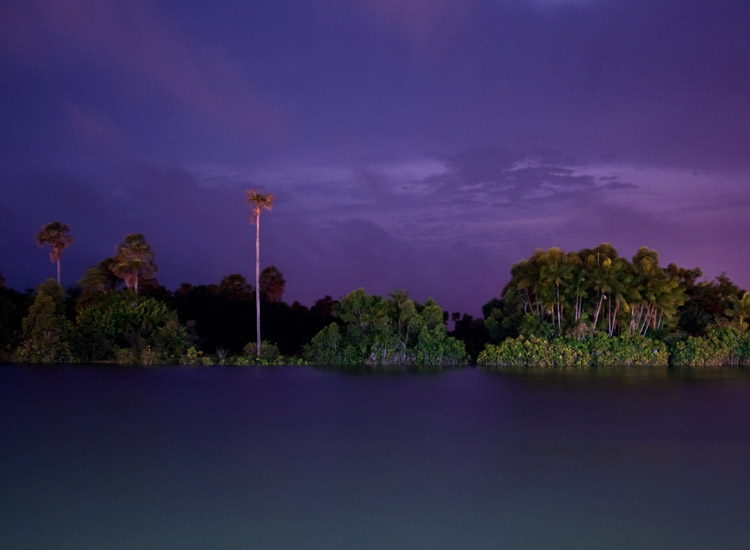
[(272, 284)]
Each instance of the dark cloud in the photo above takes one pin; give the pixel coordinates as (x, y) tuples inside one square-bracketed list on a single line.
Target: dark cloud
[(514, 178)]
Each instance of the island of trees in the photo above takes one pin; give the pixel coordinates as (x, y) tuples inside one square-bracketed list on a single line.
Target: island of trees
[(590, 308)]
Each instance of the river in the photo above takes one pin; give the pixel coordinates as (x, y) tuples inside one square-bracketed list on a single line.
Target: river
[(298, 457)]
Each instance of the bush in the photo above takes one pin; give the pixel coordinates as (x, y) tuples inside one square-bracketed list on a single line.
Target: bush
[(727, 346), (269, 352), (533, 351), (148, 329), (598, 351), (628, 350), (45, 330)]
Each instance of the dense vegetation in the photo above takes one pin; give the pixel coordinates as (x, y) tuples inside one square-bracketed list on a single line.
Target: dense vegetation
[(595, 308), (591, 308), (374, 331)]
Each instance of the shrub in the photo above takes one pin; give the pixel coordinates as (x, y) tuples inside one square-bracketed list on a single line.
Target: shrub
[(628, 350), (269, 352), (720, 346), (148, 329), (598, 351), (533, 351), (45, 331)]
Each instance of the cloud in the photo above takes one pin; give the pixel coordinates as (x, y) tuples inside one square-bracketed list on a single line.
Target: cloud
[(144, 46), (514, 178)]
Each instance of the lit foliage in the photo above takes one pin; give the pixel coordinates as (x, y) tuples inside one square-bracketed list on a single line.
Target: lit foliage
[(45, 331), (134, 331), (739, 309), (721, 346), (555, 293), (599, 351), (375, 331), (269, 354), (134, 262)]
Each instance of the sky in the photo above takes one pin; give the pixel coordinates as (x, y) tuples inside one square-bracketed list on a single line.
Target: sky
[(418, 144)]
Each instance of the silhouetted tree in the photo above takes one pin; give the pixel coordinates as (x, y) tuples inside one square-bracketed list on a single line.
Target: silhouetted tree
[(706, 304), (97, 281), (46, 332), (272, 283), (236, 287), (14, 306)]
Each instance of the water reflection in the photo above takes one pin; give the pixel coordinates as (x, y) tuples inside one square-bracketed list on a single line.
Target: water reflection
[(625, 376)]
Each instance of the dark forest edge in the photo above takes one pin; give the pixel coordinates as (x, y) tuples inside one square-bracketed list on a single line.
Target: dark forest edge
[(590, 308)]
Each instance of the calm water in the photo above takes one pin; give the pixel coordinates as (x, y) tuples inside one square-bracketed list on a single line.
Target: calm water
[(228, 457)]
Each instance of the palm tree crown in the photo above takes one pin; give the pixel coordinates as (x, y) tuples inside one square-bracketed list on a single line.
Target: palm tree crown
[(258, 201), (57, 236), (134, 261)]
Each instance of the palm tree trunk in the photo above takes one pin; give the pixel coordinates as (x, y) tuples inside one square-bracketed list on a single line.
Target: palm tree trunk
[(58, 272), (598, 309), (257, 283)]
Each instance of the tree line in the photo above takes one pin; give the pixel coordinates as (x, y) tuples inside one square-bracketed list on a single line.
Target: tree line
[(591, 307)]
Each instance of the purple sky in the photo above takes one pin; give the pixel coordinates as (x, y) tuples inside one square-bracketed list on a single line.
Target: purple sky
[(418, 144)]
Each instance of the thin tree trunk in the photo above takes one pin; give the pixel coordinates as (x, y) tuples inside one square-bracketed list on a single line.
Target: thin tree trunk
[(598, 309), (58, 272), (257, 283)]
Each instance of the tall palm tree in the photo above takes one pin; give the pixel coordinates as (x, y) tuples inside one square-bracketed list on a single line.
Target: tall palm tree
[(134, 261), (554, 271), (57, 236), (258, 201)]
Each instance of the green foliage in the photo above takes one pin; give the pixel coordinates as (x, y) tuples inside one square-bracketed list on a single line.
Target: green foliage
[(721, 346), (134, 262), (325, 347), (534, 351), (379, 332), (600, 351), (97, 282), (45, 332), (629, 350), (120, 328), (709, 303), (553, 292), (739, 309), (269, 352), (192, 356)]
